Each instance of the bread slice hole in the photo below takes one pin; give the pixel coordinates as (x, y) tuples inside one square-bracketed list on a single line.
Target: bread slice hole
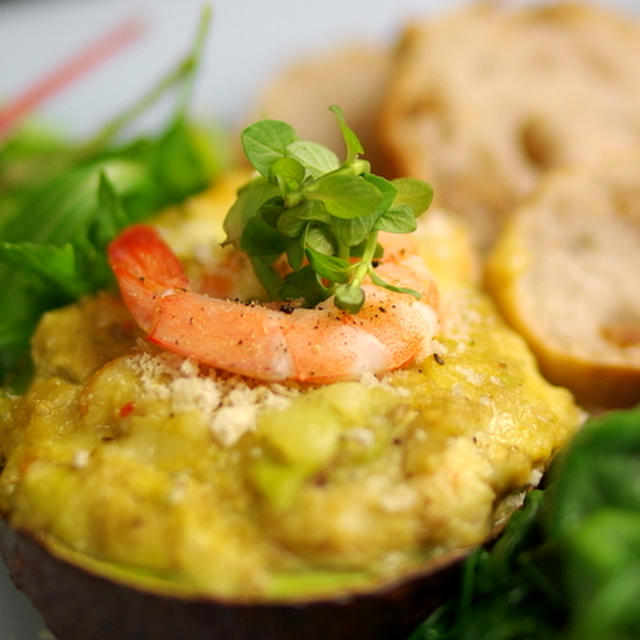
[(621, 334), (537, 144), (429, 105)]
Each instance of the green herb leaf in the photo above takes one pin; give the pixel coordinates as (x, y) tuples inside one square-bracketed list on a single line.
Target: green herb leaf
[(358, 250), (414, 193), (400, 219), (56, 265), (351, 140), (315, 158), (259, 238), (268, 276), (354, 231), (345, 196), (377, 280), (318, 238), (180, 163), (386, 188), (110, 217), (295, 253), (271, 210), (313, 210), (294, 220), (266, 141), (331, 267), (349, 297), (250, 199), (288, 172), (290, 223), (304, 284)]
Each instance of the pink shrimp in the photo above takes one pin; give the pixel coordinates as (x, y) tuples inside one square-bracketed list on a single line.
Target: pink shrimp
[(317, 345)]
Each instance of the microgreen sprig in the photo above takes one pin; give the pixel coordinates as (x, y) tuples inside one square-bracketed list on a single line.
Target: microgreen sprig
[(323, 214)]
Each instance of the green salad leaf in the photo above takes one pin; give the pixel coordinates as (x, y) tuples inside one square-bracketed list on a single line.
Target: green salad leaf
[(321, 214), (62, 202), (567, 566)]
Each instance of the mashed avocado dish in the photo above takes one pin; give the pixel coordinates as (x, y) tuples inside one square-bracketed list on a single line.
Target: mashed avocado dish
[(173, 472)]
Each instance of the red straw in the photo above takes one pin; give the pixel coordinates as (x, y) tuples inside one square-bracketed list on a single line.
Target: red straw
[(105, 47)]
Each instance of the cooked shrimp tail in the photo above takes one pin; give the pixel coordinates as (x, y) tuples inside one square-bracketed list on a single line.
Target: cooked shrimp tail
[(317, 345)]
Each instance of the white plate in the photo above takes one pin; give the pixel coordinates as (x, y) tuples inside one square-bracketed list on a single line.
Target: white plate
[(250, 41)]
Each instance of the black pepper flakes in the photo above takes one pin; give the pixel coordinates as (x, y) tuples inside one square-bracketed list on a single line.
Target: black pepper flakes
[(320, 480)]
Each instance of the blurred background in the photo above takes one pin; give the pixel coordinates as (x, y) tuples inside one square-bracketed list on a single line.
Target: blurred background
[(250, 40)]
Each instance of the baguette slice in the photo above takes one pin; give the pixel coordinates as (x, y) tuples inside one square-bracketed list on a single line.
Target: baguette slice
[(484, 101), (352, 77), (566, 274)]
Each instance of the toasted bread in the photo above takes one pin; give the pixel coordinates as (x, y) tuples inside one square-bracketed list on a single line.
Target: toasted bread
[(565, 274)]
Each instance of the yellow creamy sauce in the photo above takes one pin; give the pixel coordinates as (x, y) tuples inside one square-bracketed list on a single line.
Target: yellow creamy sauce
[(228, 486)]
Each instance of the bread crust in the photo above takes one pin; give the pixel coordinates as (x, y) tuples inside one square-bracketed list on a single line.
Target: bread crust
[(565, 274)]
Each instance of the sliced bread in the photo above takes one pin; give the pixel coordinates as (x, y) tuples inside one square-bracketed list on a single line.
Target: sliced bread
[(352, 77), (484, 101), (566, 274)]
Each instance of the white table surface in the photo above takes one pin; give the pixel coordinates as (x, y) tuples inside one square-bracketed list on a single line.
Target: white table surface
[(250, 40)]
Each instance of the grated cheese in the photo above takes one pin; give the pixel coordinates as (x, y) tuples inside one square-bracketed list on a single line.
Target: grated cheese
[(228, 405), (80, 459)]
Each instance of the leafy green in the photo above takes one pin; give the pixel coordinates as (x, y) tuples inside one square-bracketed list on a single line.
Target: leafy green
[(304, 278), (345, 196), (265, 142), (397, 220), (55, 265), (288, 172), (414, 193), (354, 147), (61, 203), (316, 158), (321, 214), (567, 566), (329, 267), (251, 198)]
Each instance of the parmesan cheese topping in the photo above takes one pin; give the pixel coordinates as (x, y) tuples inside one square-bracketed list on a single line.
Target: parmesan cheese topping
[(228, 405)]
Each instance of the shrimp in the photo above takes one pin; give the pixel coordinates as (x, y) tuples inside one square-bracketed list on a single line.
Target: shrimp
[(270, 343)]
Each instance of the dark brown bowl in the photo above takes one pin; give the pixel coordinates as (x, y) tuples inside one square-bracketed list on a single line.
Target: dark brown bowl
[(79, 604)]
